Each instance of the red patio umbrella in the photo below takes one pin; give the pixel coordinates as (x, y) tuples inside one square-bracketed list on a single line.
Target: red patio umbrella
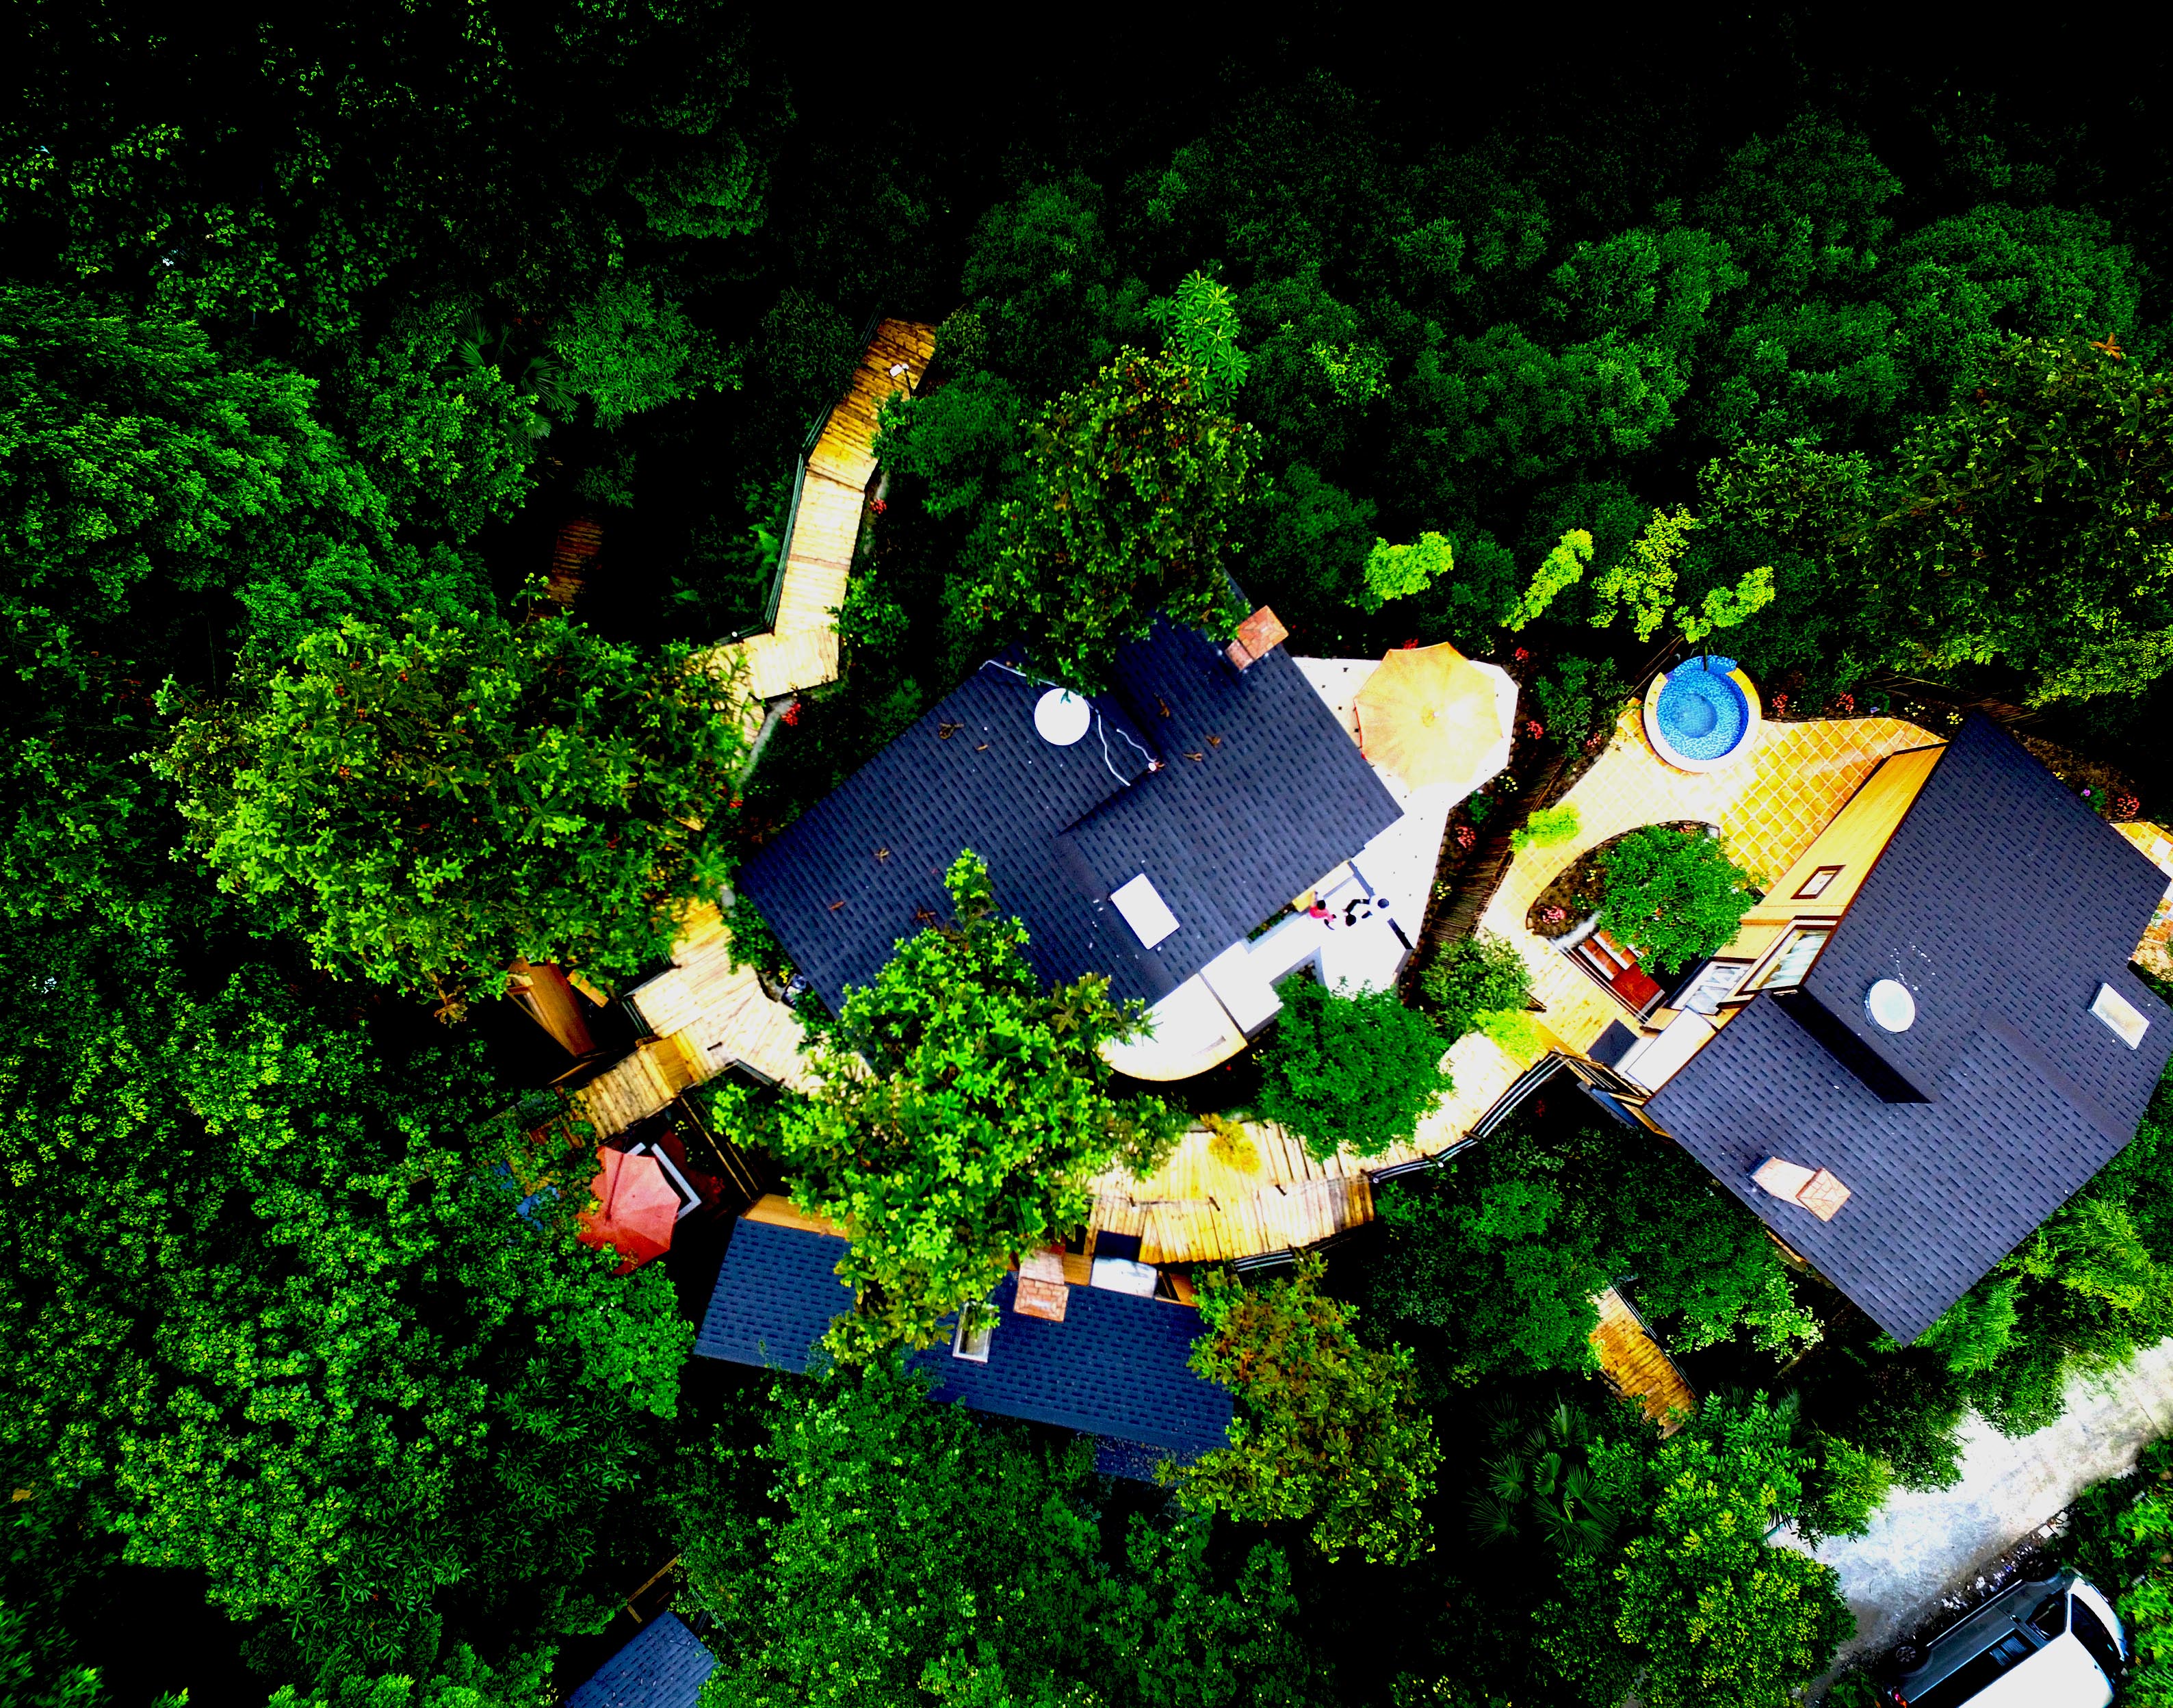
[(635, 1208)]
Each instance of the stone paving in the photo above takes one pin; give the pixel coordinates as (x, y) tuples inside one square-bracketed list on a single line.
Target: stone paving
[(1928, 1546)]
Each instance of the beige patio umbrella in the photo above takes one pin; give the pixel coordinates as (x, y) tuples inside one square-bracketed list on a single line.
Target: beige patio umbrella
[(1427, 716)]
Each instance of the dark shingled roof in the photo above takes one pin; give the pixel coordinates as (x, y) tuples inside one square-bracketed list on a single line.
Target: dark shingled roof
[(663, 1665), (1279, 796), (2002, 903), (1115, 1367)]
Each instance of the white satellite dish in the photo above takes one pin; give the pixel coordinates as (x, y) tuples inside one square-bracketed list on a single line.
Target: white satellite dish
[(1890, 1006), (1060, 717)]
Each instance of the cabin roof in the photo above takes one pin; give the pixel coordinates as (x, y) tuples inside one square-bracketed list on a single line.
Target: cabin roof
[(663, 1665), (1116, 1367), (1260, 791), (2002, 903)]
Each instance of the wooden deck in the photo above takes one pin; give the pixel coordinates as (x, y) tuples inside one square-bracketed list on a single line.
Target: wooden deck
[(800, 649), (1198, 1206), (780, 1212), (1636, 1368), (577, 543), (703, 1016)]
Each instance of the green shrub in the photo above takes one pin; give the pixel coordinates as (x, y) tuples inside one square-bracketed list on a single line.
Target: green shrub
[(1548, 827), (1579, 696), (1352, 1071), (1396, 572), (1843, 1492), (1475, 975), (1515, 1031), (1672, 895), (2147, 1607), (754, 945)]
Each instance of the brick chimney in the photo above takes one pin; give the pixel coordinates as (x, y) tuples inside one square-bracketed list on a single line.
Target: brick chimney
[(1258, 636), (1816, 1190), (1042, 1291)]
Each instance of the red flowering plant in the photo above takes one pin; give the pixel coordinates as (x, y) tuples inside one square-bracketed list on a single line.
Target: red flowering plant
[(790, 714), (1466, 837)]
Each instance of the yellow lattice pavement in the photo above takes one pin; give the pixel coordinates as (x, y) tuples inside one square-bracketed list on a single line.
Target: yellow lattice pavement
[(1770, 807), (2155, 951)]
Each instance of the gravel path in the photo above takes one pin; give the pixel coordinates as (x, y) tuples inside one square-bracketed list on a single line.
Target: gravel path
[(1925, 1547)]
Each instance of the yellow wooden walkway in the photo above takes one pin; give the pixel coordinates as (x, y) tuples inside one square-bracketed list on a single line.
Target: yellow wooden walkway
[(801, 648), (703, 1015), (1770, 807), (2155, 951), (1636, 1368)]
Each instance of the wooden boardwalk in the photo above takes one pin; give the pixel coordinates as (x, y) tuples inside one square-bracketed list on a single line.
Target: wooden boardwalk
[(800, 649), (1636, 1367), (703, 1015)]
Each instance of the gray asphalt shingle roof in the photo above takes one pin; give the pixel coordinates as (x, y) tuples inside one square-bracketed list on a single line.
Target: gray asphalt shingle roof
[(663, 1665), (2002, 903), (1116, 1367), (1278, 797)]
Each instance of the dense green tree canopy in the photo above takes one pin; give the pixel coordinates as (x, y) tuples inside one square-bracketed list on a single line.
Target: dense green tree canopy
[(1132, 485), (961, 1111), (320, 327), (163, 505), (1492, 1264), (914, 1553), (428, 801), (1672, 894), (270, 1311), (2032, 521), (1350, 1070), (1714, 1611), (1327, 1429)]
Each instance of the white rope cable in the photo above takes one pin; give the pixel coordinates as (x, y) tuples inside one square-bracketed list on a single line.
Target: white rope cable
[(1111, 769), (1100, 729), (999, 664)]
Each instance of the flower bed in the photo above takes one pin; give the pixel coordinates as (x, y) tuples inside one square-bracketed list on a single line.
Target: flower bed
[(1576, 889)]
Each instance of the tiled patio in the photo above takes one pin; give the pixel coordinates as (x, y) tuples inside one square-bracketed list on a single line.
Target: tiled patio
[(1770, 807), (2155, 951)]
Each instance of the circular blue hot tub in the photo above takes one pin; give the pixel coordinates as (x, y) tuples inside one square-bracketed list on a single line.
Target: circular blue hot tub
[(1701, 710)]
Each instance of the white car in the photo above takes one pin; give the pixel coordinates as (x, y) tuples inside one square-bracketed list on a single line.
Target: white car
[(2055, 1643)]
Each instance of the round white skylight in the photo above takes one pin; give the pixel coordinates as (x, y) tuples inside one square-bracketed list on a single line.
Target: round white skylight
[(1890, 1005), (1060, 717)]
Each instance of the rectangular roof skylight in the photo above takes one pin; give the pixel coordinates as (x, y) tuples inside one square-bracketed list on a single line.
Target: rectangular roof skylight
[(1144, 910), (2126, 1020)]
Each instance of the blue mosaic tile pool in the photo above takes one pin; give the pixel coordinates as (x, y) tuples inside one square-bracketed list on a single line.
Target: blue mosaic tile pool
[(1700, 710)]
